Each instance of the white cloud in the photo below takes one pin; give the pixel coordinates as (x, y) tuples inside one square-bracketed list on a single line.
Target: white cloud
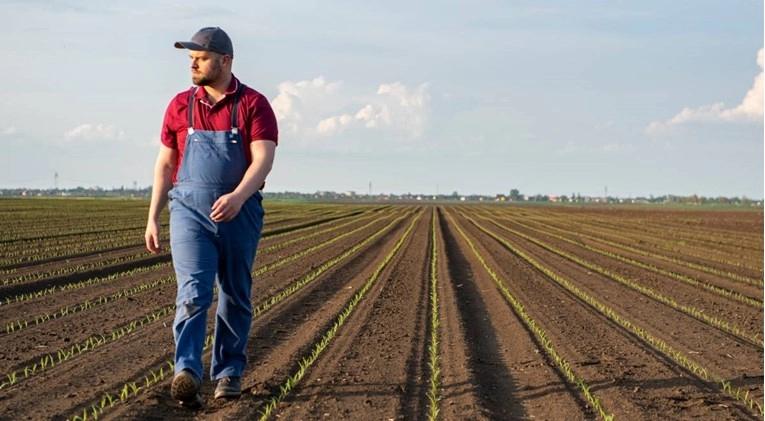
[(316, 108), (371, 116), (333, 124), (298, 102), (8, 131), (397, 107), (749, 110), (94, 132)]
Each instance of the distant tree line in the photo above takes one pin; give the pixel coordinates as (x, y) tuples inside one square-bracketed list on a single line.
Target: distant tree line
[(516, 196)]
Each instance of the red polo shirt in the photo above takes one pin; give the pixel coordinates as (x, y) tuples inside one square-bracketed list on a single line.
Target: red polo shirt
[(255, 118)]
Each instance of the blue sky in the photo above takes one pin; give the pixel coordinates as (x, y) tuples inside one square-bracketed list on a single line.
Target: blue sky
[(547, 97)]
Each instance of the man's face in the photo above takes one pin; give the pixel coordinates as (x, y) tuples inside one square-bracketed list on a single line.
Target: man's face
[(206, 67)]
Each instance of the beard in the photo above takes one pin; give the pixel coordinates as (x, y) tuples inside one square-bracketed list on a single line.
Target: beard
[(207, 79), (202, 80)]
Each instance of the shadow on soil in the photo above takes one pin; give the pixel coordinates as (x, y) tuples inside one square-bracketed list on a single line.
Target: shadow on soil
[(495, 386)]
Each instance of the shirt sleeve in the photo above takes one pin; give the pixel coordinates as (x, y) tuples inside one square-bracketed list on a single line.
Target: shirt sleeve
[(168, 137), (263, 124), (172, 123)]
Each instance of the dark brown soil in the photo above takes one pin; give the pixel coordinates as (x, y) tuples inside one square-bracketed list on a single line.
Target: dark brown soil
[(672, 263)]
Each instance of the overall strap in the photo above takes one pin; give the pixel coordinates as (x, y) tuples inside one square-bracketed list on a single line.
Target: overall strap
[(234, 120), (192, 94), (234, 113)]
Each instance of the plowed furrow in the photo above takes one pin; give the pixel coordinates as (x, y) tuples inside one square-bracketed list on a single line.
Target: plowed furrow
[(492, 364), (611, 359)]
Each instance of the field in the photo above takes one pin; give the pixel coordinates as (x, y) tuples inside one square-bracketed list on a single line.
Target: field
[(382, 312)]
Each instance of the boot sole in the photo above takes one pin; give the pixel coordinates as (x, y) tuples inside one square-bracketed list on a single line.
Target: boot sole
[(185, 389)]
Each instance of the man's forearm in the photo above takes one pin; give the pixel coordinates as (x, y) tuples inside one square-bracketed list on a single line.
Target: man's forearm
[(162, 184), (255, 176)]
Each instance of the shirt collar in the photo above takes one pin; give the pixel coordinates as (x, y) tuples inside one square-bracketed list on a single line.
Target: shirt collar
[(232, 87)]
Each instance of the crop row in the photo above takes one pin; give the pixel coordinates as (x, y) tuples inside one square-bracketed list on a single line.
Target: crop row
[(90, 343), (64, 225), (76, 268), (645, 253), (620, 236), (524, 238), (641, 333), (82, 245), (318, 348), (80, 284), (334, 228), (277, 298), (723, 325), (97, 408), (433, 348), (67, 310), (698, 242), (49, 360), (685, 230), (636, 234), (110, 236), (533, 326)]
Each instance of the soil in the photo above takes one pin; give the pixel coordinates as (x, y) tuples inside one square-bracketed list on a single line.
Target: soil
[(672, 330)]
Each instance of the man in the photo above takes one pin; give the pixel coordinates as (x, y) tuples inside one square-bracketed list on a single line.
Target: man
[(218, 144)]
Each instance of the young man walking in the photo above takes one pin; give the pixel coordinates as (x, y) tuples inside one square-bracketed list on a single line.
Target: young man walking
[(218, 144)]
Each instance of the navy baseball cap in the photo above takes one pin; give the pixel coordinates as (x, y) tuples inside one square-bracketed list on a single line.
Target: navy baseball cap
[(209, 39)]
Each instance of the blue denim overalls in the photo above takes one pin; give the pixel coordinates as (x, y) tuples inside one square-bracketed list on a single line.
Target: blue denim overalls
[(205, 251)]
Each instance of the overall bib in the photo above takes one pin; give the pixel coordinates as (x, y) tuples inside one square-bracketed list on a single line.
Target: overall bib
[(206, 253)]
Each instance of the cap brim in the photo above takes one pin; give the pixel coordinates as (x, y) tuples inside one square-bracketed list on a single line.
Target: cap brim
[(189, 45)]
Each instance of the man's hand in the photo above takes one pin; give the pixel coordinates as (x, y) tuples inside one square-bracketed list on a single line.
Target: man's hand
[(163, 173), (226, 207), (152, 237)]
